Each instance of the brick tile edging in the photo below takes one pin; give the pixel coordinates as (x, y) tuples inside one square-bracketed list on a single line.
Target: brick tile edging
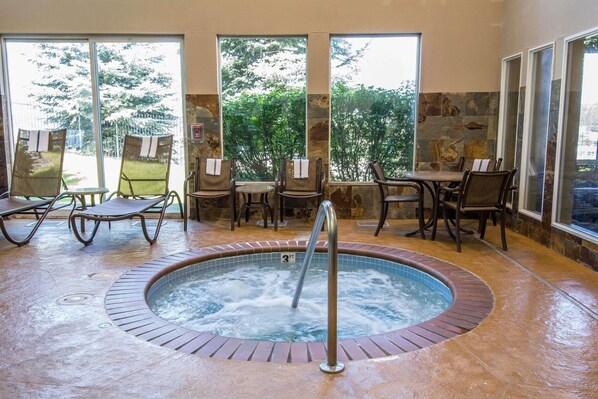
[(127, 307)]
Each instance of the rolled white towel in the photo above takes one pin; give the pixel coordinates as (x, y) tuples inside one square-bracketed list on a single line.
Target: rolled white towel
[(149, 146), (300, 168), (39, 141), (213, 166)]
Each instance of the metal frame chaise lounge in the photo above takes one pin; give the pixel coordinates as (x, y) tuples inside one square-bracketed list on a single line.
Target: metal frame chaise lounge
[(142, 187), (36, 179)]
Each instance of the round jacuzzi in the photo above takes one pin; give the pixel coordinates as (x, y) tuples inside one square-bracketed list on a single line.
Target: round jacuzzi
[(234, 302)]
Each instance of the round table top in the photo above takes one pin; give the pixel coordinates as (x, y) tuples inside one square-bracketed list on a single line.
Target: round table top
[(87, 190), (435, 175), (255, 188)]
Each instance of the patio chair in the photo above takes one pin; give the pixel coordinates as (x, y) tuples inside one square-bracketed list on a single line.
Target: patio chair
[(142, 187), (212, 179), (36, 179), (299, 179), (479, 193), (479, 165), (415, 194)]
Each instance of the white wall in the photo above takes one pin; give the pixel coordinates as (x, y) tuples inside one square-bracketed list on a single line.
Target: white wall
[(532, 23), (460, 38)]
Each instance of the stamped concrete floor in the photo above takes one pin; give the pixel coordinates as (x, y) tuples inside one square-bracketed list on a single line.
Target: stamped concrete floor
[(540, 340)]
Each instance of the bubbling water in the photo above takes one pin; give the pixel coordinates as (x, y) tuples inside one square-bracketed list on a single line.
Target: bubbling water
[(254, 302)]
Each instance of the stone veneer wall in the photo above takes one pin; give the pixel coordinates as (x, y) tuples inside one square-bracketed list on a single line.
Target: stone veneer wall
[(564, 243), (3, 160), (449, 125)]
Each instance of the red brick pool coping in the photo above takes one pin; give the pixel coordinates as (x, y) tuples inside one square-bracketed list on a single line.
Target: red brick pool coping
[(127, 307)]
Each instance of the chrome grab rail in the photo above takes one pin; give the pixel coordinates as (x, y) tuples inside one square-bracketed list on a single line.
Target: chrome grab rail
[(325, 211)]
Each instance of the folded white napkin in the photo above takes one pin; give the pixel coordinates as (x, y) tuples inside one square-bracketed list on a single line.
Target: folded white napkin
[(481, 165), (213, 166), (149, 146), (39, 140), (300, 168)]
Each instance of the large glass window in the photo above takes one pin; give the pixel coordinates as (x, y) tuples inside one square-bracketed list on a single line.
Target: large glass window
[(578, 189), (538, 111), (373, 102), (137, 85), (509, 112), (263, 83), (49, 85)]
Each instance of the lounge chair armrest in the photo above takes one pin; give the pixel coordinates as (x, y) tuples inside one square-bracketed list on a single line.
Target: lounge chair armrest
[(448, 189), (112, 194), (189, 177), (403, 183), (513, 187)]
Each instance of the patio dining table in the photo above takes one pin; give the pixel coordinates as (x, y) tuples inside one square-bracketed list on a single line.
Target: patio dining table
[(432, 179)]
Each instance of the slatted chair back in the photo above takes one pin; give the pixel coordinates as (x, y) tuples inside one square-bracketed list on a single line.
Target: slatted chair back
[(379, 175), (37, 170), (312, 182), (145, 166), (484, 189), (211, 182)]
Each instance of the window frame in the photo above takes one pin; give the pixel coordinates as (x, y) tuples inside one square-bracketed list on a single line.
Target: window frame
[(92, 41), (504, 82), (418, 69), (219, 37), (526, 137), (562, 125)]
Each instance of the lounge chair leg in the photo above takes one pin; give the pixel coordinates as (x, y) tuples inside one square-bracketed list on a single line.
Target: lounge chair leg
[(503, 235), (275, 221), (435, 218), (232, 212), (422, 224), (483, 220), (458, 229), (197, 208), (446, 223), (383, 213), (40, 219), (185, 215), (79, 237)]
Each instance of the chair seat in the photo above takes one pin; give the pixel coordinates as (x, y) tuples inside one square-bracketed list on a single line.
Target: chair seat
[(209, 194), (12, 205), (299, 194), (122, 206), (402, 198)]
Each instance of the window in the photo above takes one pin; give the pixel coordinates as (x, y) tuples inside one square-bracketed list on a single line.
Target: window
[(49, 87), (263, 85), (137, 85), (577, 190), (373, 101), (536, 129), (509, 112)]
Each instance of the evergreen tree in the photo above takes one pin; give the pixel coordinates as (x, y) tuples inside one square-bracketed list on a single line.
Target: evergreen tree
[(134, 92)]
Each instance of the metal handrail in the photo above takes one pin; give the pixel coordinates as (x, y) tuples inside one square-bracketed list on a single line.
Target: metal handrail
[(325, 211)]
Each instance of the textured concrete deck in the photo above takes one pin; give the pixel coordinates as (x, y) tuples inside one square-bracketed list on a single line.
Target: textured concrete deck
[(540, 340)]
